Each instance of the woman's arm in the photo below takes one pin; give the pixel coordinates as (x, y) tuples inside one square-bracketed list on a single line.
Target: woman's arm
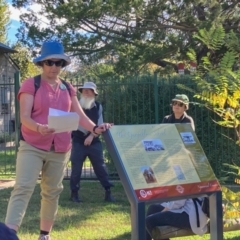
[(84, 121), (26, 105)]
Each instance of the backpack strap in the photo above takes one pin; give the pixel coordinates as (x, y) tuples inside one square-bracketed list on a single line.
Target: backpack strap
[(195, 201), (37, 83)]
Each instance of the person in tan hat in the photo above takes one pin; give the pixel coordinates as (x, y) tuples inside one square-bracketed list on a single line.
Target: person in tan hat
[(176, 213), (180, 103), (87, 144)]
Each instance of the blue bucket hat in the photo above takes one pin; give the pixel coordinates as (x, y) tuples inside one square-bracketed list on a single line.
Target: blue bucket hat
[(52, 49)]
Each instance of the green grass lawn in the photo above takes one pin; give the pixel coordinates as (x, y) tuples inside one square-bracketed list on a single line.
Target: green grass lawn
[(7, 164), (93, 219)]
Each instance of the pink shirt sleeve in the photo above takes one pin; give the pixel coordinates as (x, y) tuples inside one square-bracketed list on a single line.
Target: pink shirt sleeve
[(27, 87)]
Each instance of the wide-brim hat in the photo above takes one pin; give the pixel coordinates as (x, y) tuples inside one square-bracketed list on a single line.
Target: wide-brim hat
[(181, 98), (89, 85), (52, 49)]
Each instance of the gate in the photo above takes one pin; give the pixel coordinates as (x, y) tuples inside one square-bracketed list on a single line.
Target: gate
[(9, 119)]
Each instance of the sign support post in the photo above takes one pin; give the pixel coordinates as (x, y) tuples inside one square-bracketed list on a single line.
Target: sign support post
[(160, 163), (138, 221)]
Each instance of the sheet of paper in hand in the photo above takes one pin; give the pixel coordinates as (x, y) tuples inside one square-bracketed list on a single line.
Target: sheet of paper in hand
[(62, 121)]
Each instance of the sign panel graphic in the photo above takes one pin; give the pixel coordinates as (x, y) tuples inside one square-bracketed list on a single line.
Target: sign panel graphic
[(163, 160)]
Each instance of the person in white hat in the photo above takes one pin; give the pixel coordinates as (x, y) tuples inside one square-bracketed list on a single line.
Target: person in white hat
[(87, 144), (41, 149)]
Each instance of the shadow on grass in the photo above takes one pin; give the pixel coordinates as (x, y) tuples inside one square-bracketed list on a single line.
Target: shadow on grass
[(75, 215), (126, 236)]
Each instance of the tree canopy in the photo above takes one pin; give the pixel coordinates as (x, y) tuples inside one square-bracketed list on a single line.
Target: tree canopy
[(4, 20), (129, 33), (24, 61)]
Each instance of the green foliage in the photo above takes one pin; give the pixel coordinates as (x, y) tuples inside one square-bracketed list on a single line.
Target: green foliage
[(134, 33), (4, 20), (218, 85), (99, 72), (24, 61), (213, 38), (230, 173)]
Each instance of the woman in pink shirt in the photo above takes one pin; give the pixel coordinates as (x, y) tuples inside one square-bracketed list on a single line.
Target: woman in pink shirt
[(42, 150)]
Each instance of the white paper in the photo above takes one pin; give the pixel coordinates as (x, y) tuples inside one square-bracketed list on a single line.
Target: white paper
[(62, 121)]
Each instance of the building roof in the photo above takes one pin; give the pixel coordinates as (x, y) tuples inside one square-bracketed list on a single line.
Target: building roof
[(5, 49)]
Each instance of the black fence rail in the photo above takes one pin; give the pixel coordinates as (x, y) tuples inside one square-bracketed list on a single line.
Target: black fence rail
[(146, 100)]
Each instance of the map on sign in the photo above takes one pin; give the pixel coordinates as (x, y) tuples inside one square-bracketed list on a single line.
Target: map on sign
[(163, 160)]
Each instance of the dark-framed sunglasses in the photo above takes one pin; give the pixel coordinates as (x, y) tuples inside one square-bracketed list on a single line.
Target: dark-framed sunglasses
[(176, 103), (50, 63)]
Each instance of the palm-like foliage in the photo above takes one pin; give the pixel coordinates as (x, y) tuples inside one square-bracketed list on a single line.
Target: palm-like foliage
[(219, 84), (219, 88)]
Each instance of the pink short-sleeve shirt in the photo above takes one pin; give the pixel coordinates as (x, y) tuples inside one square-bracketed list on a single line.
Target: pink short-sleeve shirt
[(44, 99)]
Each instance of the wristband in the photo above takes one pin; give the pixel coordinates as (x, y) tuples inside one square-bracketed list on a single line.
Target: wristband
[(94, 128), (38, 127)]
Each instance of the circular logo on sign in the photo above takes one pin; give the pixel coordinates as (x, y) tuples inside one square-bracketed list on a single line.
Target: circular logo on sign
[(143, 193), (180, 189)]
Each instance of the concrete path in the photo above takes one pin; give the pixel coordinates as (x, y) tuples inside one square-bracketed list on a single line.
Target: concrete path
[(6, 184), (86, 173)]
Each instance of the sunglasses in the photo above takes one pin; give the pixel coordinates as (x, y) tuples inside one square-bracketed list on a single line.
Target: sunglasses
[(50, 63), (180, 104)]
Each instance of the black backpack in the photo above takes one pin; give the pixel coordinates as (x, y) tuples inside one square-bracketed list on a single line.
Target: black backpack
[(205, 207)]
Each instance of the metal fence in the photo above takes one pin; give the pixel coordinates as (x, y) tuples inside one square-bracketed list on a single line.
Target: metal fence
[(146, 100), (8, 103)]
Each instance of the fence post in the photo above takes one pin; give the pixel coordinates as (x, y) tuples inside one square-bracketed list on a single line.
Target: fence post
[(17, 109), (156, 98)]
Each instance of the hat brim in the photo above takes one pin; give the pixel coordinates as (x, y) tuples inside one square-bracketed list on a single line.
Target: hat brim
[(58, 56), (178, 100), (81, 88)]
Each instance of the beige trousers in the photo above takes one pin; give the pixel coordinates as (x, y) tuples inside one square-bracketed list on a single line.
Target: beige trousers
[(30, 162)]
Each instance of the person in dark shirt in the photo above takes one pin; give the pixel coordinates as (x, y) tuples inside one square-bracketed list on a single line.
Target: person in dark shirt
[(179, 213), (7, 233), (87, 144), (180, 103)]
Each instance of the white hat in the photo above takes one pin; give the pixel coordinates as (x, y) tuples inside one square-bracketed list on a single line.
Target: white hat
[(89, 85)]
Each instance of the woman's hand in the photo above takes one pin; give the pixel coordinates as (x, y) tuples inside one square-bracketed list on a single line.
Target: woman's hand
[(102, 128), (44, 130)]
